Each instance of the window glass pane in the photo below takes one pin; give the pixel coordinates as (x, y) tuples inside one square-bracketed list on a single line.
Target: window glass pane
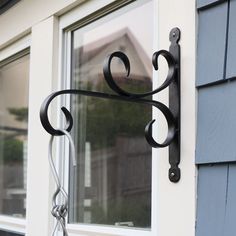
[(112, 181), (5, 233), (13, 136)]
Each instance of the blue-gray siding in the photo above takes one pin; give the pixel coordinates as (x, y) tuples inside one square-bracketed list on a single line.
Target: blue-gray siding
[(216, 133), (211, 44), (212, 187), (216, 118), (216, 201)]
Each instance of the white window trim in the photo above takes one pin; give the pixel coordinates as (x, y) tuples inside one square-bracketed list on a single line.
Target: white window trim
[(15, 47), (10, 53), (12, 224), (177, 202), (43, 80), (173, 205)]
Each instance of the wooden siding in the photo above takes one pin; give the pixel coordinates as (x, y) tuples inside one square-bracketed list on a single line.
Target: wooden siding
[(216, 85), (216, 200), (211, 200), (211, 44), (216, 118), (216, 131)]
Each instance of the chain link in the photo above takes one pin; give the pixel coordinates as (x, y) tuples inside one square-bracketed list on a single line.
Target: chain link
[(60, 197)]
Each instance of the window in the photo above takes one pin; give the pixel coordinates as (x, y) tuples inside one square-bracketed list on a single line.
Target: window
[(14, 86), (112, 181), (14, 77)]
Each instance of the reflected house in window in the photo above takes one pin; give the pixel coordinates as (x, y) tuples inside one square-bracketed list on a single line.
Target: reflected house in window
[(91, 56), (114, 166)]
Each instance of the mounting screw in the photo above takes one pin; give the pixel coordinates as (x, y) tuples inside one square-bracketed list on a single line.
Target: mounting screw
[(174, 35), (172, 174)]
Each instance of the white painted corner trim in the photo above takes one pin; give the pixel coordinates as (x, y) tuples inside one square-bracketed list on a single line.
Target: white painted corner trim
[(177, 202)]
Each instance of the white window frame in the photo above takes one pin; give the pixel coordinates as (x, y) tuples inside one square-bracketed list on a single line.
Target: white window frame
[(66, 25), (173, 205), (8, 54)]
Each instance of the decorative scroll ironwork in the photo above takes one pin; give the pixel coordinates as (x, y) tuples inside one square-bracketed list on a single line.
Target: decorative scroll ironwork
[(171, 114)]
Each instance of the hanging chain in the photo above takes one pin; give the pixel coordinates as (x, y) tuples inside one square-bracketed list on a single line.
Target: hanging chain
[(60, 197)]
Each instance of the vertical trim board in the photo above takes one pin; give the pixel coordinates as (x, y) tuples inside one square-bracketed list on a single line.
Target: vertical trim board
[(39, 180), (173, 198)]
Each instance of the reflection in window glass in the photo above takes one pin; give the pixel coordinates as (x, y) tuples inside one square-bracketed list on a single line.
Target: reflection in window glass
[(112, 181), (5, 233), (13, 136)]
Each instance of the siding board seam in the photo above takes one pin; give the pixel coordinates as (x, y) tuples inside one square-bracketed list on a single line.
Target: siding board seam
[(218, 82), (227, 187), (226, 40), (221, 81), (226, 200), (211, 163), (209, 5)]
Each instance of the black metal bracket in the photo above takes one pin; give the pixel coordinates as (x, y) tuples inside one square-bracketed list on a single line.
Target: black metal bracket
[(171, 114), (174, 106)]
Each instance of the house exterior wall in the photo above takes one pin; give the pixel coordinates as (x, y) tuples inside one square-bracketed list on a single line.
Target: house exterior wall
[(215, 146), (38, 22)]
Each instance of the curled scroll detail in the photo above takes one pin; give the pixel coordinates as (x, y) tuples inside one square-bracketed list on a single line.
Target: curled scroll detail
[(114, 86)]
